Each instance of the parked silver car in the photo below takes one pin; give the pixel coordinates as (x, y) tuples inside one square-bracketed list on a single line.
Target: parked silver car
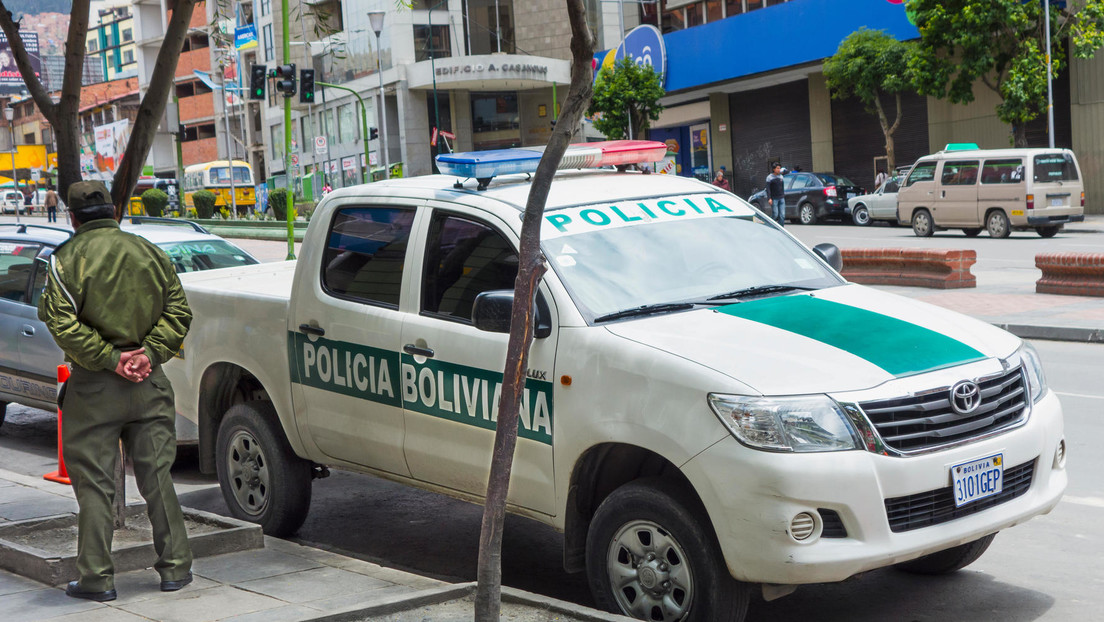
[(878, 205), (28, 355)]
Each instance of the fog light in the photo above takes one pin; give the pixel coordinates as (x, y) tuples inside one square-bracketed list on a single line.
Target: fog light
[(802, 526), (1060, 455)]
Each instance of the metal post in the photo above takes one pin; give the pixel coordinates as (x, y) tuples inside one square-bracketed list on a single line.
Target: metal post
[(621, 26), (229, 145), (290, 216), (498, 27), (383, 111), (1050, 95), (363, 122), (433, 71), (9, 112)]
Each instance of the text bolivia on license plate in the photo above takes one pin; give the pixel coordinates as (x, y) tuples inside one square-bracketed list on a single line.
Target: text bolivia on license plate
[(977, 479)]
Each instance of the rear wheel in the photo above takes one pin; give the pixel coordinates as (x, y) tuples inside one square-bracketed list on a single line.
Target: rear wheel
[(950, 560), (1048, 232), (651, 556), (860, 215), (261, 478), (972, 232), (806, 213), (997, 224), (922, 224)]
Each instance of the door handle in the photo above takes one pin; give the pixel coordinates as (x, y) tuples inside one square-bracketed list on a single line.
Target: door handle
[(28, 330), (943, 194), (416, 351), (310, 329)]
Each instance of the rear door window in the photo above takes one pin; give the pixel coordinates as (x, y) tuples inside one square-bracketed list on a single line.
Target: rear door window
[(1006, 171), (923, 171), (365, 252), (959, 173), (1054, 167)]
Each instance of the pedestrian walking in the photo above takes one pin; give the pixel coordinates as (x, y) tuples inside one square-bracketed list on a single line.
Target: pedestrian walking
[(114, 305), (776, 193), (879, 179), (51, 202), (720, 180)]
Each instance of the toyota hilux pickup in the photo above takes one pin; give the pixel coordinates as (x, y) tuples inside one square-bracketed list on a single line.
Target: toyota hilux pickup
[(709, 409)]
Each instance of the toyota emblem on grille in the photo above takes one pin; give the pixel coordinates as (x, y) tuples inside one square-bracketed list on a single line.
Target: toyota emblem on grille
[(965, 397)]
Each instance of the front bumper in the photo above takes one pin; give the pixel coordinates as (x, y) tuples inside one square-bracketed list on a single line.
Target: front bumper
[(753, 496)]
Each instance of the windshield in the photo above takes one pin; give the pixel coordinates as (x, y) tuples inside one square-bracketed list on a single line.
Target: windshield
[(205, 255), (221, 175), (672, 250)]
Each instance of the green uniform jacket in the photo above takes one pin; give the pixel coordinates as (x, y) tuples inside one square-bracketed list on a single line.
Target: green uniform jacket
[(108, 292)]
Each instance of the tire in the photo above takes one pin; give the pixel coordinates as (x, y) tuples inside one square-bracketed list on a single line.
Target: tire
[(860, 215), (972, 232), (922, 224), (996, 223), (806, 214), (1048, 232), (756, 205), (950, 560), (676, 572), (261, 478)]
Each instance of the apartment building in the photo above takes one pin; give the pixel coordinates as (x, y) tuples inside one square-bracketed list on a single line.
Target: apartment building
[(110, 39)]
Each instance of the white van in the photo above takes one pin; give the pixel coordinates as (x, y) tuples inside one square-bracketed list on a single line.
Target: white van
[(1000, 190)]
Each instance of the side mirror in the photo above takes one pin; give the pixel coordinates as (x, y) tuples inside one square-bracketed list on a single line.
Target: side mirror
[(491, 313), (830, 253)]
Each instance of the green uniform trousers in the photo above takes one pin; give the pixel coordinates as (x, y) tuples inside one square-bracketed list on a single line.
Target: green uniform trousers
[(99, 408)]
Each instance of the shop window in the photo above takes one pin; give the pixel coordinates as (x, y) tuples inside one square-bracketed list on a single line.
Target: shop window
[(674, 19), (733, 7), (714, 10), (346, 124), (431, 45)]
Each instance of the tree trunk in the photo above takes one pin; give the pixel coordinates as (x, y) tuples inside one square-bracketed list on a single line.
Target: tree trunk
[(888, 131), (1019, 133), (531, 267), (152, 107)]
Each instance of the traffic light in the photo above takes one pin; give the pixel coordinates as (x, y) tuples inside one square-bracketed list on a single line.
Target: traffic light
[(373, 133), (306, 86), (285, 79), (258, 75)]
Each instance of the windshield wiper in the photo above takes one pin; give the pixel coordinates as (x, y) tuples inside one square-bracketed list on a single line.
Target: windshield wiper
[(645, 310), (760, 289)]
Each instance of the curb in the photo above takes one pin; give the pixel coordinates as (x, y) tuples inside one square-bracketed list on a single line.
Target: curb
[(1054, 333)]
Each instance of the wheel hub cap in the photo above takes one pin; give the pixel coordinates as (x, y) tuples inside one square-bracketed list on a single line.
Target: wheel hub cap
[(650, 573)]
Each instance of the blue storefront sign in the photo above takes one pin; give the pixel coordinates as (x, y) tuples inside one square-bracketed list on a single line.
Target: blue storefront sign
[(245, 37), (644, 45)]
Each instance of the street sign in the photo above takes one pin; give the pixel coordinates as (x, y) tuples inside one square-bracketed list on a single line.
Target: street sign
[(320, 145), (295, 159)]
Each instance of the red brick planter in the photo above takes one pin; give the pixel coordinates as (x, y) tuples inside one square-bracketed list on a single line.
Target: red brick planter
[(1072, 274), (916, 267)]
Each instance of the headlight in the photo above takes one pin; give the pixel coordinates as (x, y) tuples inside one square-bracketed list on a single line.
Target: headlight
[(799, 424), (1033, 366)]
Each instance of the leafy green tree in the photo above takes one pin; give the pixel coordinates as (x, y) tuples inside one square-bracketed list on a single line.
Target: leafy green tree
[(204, 201), (872, 66), (1002, 44), (626, 90)]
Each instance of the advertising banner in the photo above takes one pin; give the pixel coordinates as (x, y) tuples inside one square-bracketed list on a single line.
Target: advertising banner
[(11, 81), (111, 141)]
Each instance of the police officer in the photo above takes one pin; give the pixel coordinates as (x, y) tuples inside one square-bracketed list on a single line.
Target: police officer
[(115, 306)]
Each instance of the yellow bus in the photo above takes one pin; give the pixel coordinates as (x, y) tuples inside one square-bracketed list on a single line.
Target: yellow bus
[(215, 176)]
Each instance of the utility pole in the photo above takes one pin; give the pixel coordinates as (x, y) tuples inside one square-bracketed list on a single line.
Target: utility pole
[(290, 213), (229, 145)]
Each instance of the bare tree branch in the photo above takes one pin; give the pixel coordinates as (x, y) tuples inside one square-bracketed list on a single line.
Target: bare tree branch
[(23, 61), (74, 58), (531, 267), (152, 107)]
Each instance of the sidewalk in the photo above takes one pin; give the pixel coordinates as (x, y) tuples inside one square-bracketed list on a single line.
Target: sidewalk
[(283, 581)]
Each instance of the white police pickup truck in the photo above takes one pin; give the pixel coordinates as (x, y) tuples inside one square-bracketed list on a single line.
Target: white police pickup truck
[(709, 405)]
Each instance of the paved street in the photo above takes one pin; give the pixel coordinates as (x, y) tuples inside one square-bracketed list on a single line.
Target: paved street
[(1036, 571)]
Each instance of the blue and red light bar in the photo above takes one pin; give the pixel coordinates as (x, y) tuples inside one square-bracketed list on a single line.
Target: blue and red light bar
[(487, 164)]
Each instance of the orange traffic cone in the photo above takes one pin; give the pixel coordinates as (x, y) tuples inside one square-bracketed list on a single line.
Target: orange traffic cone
[(60, 476)]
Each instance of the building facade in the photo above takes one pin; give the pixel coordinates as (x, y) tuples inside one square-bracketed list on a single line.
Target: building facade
[(745, 87), (111, 39)]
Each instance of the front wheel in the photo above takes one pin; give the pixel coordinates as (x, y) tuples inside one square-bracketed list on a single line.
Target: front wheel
[(651, 556), (997, 224), (806, 213), (261, 478), (860, 215), (922, 224), (950, 560), (1049, 231)]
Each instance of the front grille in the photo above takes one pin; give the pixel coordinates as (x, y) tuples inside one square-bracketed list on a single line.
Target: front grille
[(938, 506), (832, 524), (926, 421)]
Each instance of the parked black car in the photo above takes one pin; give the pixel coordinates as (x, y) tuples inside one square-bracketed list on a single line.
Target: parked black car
[(811, 197)]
